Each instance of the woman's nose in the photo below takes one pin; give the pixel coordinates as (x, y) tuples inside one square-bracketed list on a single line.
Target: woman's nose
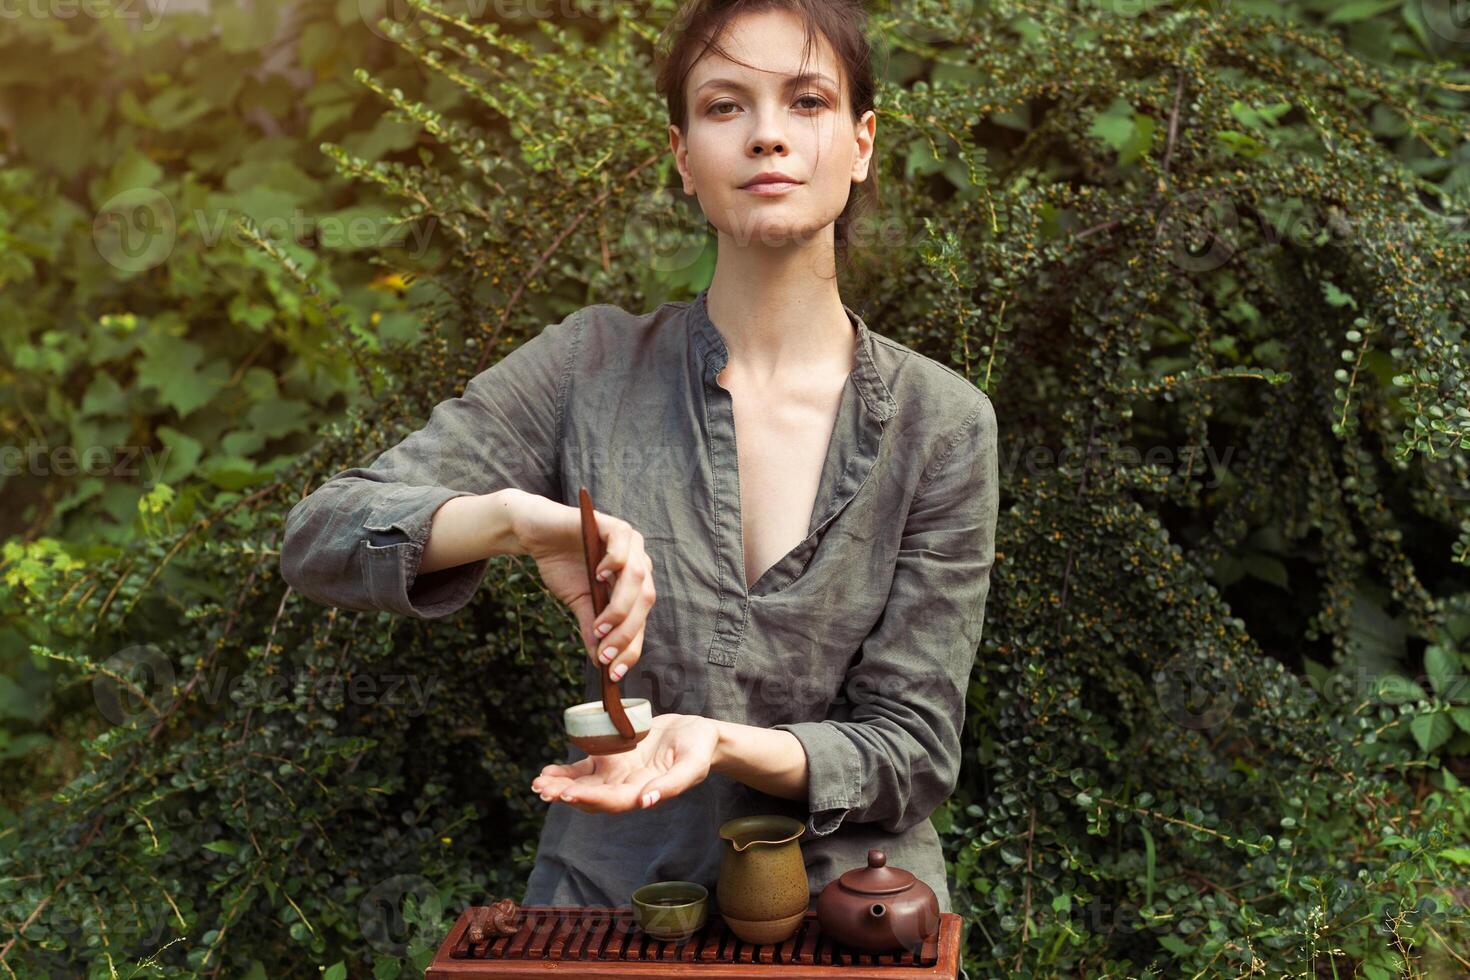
[(768, 135)]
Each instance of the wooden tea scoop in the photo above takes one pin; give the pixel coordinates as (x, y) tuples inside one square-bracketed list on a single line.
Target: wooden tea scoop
[(612, 698)]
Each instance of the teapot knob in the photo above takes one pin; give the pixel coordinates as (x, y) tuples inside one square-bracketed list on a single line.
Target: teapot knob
[(876, 858)]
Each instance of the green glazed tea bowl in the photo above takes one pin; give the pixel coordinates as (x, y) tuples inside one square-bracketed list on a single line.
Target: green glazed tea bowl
[(671, 910)]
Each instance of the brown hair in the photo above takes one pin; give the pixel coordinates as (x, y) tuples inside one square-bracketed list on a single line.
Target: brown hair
[(697, 28)]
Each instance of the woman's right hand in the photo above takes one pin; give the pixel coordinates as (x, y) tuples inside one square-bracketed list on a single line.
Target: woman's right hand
[(551, 533)]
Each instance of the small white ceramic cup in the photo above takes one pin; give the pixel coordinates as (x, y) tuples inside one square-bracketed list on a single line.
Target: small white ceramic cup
[(588, 724)]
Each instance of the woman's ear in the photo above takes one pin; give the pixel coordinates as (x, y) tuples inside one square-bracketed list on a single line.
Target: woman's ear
[(863, 132), (681, 157)]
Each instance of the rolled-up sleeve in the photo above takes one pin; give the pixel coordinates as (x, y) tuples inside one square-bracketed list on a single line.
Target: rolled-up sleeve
[(889, 752), (357, 540)]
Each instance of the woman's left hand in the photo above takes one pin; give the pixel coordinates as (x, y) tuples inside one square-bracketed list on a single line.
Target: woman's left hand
[(676, 754)]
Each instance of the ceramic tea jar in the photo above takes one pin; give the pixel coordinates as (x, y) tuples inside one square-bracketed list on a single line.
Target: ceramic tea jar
[(878, 909), (762, 889)]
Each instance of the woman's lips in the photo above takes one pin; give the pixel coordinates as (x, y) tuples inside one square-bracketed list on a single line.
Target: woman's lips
[(771, 187)]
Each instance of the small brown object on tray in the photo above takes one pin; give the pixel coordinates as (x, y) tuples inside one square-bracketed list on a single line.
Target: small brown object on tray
[(493, 921)]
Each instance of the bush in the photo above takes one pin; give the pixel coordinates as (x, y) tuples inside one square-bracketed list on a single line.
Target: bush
[(1220, 701)]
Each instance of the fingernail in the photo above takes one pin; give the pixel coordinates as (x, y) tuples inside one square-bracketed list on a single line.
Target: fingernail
[(607, 654), (567, 797), (604, 629), (618, 672), (649, 799), (604, 575)]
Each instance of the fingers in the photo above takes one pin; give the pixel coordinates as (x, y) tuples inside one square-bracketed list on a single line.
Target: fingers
[(620, 626), (682, 775), (575, 770), (555, 779), (590, 796), (550, 787), (601, 798)]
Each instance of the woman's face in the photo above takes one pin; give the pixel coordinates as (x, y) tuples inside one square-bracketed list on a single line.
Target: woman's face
[(743, 122)]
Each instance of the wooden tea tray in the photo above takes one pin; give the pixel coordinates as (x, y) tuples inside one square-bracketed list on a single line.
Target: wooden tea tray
[(603, 942)]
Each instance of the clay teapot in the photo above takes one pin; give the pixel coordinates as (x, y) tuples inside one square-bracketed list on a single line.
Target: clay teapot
[(878, 909)]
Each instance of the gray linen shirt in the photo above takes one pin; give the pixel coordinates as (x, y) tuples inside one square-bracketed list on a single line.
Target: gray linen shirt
[(859, 641)]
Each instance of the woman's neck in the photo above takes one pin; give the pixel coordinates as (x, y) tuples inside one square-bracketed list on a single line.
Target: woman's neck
[(781, 325)]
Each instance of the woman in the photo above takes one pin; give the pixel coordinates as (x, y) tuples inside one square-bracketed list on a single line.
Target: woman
[(821, 586)]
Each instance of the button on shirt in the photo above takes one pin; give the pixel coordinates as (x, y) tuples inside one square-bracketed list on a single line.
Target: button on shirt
[(859, 641)]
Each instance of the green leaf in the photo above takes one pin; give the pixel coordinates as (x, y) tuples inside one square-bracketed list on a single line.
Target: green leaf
[(14, 747), (132, 171), (1175, 945), (279, 417), (1459, 855), (1431, 729), (1336, 297), (1114, 126), (1241, 144), (1374, 638), (223, 847), (182, 454), (1443, 667), (1355, 10), (104, 396), (386, 136), (17, 702), (1267, 569), (170, 366), (1130, 133), (1398, 689), (232, 472), (337, 971)]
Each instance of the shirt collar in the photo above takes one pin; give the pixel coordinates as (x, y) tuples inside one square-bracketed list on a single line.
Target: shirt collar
[(711, 347)]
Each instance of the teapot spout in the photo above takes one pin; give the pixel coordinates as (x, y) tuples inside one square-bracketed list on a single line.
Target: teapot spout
[(878, 910)]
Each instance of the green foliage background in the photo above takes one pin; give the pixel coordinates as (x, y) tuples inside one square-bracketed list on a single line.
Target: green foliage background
[(1207, 259)]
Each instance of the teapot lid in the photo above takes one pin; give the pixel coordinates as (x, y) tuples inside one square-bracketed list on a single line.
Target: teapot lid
[(877, 878)]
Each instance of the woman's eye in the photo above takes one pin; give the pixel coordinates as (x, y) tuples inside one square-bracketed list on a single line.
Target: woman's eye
[(807, 102)]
